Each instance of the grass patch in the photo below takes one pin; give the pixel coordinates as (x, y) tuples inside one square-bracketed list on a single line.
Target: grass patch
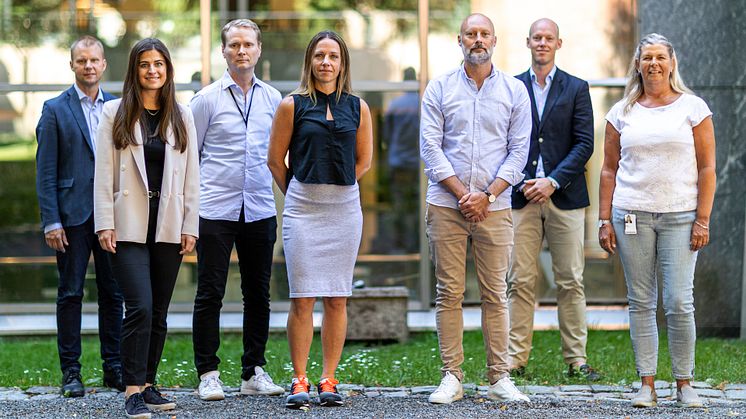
[(26, 362)]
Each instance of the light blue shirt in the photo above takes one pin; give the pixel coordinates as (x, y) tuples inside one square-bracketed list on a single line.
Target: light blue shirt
[(475, 134), (540, 96), (92, 111), (233, 155)]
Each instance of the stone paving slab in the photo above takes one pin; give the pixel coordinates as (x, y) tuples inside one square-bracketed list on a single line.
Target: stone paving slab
[(735, 386), (421, 389), (700, 384), (596, 388), (42, 390), (658, 384), (576, 388), (710, 392), (539, 389), (736, 394)]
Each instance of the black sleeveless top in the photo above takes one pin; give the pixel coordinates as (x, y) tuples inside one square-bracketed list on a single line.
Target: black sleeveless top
[(322, 151)]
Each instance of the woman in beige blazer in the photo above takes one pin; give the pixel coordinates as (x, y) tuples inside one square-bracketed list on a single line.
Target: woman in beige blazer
[(146, 204)]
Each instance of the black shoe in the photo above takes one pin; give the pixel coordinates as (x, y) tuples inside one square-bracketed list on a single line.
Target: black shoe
[(135, 407), (113, 378), (72, 384), (518, 372), (585, 371), (155, 401), (328, 394)]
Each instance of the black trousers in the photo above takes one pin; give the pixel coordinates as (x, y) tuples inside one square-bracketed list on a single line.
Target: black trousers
[(72, 266), (146, 274), (254, 244)]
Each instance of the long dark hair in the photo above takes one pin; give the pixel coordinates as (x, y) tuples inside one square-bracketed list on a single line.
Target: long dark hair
[(307, 80), (131, 107)]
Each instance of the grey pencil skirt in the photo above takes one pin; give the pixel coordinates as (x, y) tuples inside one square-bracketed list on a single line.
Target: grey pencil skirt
[(321, 230)]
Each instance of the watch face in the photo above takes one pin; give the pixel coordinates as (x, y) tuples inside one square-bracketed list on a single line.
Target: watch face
[(491, 198)]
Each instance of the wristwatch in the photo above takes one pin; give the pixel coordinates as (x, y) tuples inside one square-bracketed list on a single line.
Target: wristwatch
[(490, 197), (602, 223)]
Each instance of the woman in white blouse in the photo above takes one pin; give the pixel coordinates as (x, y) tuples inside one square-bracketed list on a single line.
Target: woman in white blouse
[(656, 194)]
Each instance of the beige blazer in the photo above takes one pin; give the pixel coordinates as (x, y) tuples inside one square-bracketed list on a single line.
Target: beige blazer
[(120, 192)]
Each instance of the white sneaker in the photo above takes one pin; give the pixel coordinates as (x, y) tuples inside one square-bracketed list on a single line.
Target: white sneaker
[(505, 391), (449, 390), (210, 386), (261, 384)]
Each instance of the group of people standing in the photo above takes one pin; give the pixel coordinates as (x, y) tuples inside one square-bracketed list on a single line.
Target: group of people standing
[(492, 142), (138, 180)]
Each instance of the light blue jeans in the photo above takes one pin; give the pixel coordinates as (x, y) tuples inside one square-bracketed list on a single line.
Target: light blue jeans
[(660, 245)]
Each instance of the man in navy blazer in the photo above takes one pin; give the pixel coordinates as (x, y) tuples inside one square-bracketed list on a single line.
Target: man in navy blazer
[(550, 203), (66, 134)]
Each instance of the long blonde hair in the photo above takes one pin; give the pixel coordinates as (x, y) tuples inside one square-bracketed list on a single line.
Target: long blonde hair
[(635, 89), (307, 86)]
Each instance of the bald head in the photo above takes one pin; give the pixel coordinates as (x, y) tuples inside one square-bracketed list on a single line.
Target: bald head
[(476, 18), (544, 23)]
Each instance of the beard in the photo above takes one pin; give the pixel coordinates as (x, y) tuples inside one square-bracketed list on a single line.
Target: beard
[(477, 58)]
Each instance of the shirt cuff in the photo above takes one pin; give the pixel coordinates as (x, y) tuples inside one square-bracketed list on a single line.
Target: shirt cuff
[(438, 174), (510, 175), (51, 227), (554, 182)]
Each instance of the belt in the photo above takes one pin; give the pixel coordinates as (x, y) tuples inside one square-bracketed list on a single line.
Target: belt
[(154, 194)]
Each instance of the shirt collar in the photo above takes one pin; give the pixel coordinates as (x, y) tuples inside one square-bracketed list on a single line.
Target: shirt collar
[(493, 72), (82, 96), (227, 81), (550, 76)]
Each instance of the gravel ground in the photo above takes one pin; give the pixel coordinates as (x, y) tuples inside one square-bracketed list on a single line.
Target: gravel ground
[(110, 404)]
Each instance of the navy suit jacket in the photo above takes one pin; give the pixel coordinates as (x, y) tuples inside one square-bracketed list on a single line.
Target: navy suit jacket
[(64, 161), (563, 137)]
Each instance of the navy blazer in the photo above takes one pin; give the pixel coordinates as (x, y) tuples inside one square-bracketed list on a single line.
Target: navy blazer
[(64, 161), (564, 137)]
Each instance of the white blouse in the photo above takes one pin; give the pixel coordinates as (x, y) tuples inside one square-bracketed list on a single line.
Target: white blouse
[(658, 166)]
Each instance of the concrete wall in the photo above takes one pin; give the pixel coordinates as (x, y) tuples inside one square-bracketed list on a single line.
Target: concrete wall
[(710, 38)]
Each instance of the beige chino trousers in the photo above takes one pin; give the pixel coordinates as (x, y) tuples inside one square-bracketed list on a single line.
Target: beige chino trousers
[(563, 230), (492, 240)]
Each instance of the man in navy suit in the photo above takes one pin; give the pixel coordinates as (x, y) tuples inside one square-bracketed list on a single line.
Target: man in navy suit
[(550, 203), (64, 183)]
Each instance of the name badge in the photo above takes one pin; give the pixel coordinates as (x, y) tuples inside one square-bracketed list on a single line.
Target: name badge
[(630, 224)]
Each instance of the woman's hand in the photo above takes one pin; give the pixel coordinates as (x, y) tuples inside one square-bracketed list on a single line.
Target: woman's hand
[(607, 238), (187, 243), (108, 240), (700, 236)]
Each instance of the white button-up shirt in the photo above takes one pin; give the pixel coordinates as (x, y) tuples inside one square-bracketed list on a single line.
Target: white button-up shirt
[(233, 154), (475, 134), (541, 94), (92, 111)]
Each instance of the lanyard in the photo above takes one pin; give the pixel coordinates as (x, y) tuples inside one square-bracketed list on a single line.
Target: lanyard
[(248, 112)]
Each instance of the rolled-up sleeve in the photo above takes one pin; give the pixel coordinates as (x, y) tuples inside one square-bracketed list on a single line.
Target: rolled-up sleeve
[(519, 136), (437, 166)]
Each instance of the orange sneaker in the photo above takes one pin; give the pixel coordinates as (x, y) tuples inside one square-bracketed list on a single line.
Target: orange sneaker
[(298, 398), (328, 394)]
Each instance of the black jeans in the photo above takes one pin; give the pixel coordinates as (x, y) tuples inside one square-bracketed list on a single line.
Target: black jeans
[(254, 244), (146, 273), (72, 266)]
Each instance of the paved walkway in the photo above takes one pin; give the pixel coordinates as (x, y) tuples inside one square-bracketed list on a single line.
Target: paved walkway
[(596, 401), (545, 318)]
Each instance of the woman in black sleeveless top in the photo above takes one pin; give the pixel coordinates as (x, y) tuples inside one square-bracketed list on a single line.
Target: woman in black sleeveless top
[(327, 132)]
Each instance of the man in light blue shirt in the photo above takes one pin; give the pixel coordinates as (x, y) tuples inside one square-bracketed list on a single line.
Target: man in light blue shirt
[(474, 133), (65, 163), (233, 117)]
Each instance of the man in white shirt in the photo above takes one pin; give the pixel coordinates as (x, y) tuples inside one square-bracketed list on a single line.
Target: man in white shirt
[(233, 117), (474, 133), (550, 203)]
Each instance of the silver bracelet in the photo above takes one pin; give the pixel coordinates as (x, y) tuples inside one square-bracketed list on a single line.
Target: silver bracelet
[(706, 227)]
